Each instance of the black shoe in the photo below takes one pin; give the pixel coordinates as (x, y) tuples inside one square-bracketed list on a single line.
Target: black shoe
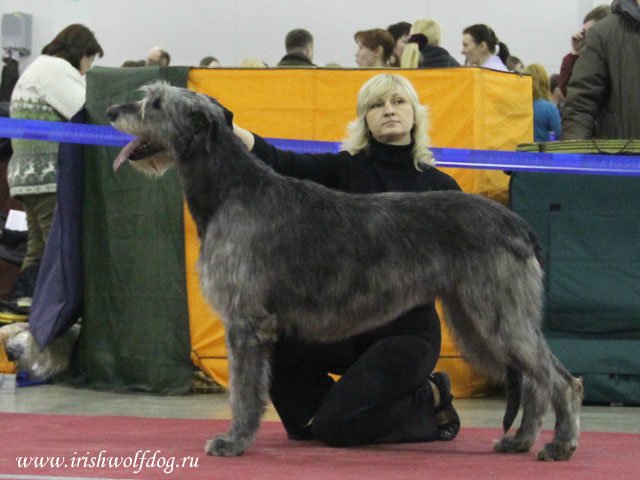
[(22, 290), (448, 419), (304, 434)]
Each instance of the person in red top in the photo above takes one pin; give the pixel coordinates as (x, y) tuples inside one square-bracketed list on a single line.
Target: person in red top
[(577, 41)]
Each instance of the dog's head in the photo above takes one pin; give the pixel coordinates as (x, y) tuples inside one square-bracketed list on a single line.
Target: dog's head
[(166, 122), (46, 364)]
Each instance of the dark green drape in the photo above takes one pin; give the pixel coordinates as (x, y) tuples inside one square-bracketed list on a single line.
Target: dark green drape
[(589, 226), (135, 325)]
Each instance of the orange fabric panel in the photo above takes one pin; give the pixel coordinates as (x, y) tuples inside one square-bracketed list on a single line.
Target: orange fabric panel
[(207, 332), (469, 108), (6, 366)]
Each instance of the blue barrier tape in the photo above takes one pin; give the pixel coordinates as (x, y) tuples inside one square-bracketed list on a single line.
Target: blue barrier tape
[(594, 164), (575, 163), (63, 132)]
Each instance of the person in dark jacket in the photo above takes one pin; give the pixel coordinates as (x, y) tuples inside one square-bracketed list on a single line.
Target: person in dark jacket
[(423, 48), (603, 98), (387, 392), (299, 46)]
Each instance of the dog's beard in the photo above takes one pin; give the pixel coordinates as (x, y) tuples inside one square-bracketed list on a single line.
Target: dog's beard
[(155, 165)]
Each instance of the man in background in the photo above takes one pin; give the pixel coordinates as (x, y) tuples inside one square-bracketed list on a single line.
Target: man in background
[(299, 47), (603, 98)]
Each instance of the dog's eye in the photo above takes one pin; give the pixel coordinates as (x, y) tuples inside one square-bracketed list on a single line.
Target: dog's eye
[(157, 104)]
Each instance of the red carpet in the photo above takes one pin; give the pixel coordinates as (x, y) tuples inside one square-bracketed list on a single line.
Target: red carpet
[(86, 444)]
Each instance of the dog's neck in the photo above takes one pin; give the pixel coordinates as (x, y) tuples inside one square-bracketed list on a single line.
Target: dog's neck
[(212, 179)]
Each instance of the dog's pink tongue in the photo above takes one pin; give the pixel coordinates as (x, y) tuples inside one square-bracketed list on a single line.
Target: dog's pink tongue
[(125, 153)]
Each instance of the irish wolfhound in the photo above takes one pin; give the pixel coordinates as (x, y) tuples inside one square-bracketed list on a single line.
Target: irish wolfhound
[(285, 256)]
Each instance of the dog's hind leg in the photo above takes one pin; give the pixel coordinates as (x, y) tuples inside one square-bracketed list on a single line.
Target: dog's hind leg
[(479, 331), (497, 317), (535, 401), (249, 355), (566, 400)]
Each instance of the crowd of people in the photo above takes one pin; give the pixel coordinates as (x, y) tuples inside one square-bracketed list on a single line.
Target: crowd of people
[(594, 95), (560, 112)]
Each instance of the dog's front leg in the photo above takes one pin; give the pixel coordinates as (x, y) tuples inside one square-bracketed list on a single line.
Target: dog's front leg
[(249, 355)]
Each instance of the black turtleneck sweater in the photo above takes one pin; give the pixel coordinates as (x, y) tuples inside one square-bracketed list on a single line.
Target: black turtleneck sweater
[(383, 168)]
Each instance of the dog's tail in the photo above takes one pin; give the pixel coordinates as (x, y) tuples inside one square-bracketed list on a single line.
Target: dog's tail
[(513, 392)]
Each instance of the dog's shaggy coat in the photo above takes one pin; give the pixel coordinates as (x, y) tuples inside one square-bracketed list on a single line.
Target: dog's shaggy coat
[(285, 256)]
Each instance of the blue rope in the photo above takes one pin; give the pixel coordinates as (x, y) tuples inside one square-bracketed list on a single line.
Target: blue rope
[(594, 164), (576, 163), (63, 132)]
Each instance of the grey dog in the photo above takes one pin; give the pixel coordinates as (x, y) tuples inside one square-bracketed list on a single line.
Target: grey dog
[(281, 256)]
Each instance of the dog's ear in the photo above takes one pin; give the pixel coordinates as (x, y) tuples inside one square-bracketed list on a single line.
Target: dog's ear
[(206, 126)]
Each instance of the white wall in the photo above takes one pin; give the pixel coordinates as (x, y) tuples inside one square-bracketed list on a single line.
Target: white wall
[(536, 31)]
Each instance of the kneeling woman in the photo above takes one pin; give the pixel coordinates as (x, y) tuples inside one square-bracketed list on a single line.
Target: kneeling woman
[(386, 392)]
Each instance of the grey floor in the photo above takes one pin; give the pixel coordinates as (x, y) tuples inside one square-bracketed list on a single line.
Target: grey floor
[(60, 399)]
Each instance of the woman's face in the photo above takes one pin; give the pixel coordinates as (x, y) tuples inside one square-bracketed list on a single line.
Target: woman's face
[(475, 53), (390, 119), (400, 44), (366, 57), (86, 63)]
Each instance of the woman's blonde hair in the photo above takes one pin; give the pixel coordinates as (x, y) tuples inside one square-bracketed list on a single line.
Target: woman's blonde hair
[(431, 29), (252, 62), (539, 80), (358, 133)]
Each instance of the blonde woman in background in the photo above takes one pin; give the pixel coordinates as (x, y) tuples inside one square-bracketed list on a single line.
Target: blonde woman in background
[(423, 48), (252, 62), (546, 117)]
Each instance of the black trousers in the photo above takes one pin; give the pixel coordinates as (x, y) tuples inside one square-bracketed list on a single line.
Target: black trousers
[(383, 395)]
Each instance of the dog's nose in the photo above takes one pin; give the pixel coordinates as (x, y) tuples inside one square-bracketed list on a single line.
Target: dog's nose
[(13, 352)]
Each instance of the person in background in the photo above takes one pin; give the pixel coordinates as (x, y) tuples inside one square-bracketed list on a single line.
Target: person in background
[(400, 33), (210, 62), (375, 47), (423, 48), (387, 392), (514, 64), (546, 117), (603, 96), (52, 88), (134, 63), (557, 98), (479, 44), (577, 42), (158, 57), (299, 46), (252, 62)]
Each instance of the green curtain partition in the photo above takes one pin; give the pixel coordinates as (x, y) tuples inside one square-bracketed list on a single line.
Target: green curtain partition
[(589, 226), (135, 323)]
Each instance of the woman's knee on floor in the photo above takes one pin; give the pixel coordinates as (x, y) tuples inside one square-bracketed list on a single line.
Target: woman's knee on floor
[(333, 430)]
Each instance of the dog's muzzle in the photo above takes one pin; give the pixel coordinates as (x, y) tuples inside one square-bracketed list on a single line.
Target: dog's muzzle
[(138, 148)]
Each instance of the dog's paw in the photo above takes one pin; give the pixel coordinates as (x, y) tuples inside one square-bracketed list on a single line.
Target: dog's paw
[(512, 444), (223, 446), (553, 451)]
